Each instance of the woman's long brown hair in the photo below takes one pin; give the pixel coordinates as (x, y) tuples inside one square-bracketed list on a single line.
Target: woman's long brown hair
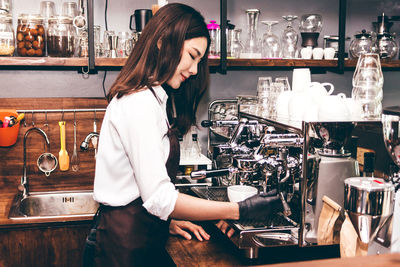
[(149, 65)]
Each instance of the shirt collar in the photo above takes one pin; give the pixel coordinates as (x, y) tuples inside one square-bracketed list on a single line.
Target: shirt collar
[(160, 92)]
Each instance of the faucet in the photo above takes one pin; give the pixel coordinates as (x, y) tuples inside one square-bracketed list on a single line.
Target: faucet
[(24, 187), (85, 143)]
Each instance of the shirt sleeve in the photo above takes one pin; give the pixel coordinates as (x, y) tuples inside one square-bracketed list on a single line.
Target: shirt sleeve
[(143, 127)]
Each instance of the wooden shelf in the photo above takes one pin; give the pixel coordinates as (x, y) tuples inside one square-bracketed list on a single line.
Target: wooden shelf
[(351, 63), (213, 62), (242, 62), (43, 61)]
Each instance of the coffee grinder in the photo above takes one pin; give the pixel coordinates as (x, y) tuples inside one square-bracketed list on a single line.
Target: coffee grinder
[(391, 136), (328, 167)]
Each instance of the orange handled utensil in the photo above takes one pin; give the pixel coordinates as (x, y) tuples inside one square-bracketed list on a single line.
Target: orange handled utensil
[(63, 158)]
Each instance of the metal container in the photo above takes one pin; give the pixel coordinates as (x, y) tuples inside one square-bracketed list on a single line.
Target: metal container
[(369, 203)]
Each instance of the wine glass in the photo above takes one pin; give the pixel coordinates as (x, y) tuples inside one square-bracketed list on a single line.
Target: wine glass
[(289, 38), (271, 47)]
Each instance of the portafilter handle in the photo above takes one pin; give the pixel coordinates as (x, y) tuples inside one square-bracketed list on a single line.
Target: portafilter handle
[(197, 175), (218, 123)]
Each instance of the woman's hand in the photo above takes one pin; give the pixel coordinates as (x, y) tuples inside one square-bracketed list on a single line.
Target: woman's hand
[(177, 227), (225, 228)]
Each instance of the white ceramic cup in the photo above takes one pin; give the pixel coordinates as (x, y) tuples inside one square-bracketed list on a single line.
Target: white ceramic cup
[(329, 53), (301, 78), (318, 53), (237, 193), (306, 52), (333, 108)]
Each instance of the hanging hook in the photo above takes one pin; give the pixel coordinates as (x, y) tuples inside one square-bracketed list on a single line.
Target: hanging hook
[(33, 123), (62, 115), (85, 74), (74, 117), (45, 119)]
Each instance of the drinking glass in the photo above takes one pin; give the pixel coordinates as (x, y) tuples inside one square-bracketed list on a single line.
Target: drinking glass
[(125, 44), (263, 86), (98, 46), (271, 47), (107, 45), (289, 38), (368, 71), (69, 9), (47, 9), (284, 81), (370, 101), (236, 47), (275, 91), (367, 86)]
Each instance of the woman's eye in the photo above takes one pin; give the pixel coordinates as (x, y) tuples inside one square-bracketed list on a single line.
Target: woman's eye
[(192, 56)]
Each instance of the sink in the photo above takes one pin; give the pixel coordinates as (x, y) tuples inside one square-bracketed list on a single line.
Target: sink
[(53, 204)]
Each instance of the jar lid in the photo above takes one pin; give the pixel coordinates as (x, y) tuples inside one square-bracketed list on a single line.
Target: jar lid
[(362, 34), (60, 19), (5, 18), (25, 18), (213, 25)]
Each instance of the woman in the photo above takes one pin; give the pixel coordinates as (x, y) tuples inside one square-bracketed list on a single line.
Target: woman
[(153, 100)]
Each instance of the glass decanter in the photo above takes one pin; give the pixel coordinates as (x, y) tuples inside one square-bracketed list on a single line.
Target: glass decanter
[(271, 47), (289, 38)]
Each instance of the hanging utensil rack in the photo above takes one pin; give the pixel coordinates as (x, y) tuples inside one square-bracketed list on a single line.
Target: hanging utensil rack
[(60, 110)]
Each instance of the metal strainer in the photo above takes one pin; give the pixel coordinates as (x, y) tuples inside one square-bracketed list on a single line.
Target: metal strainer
[(47, 163)]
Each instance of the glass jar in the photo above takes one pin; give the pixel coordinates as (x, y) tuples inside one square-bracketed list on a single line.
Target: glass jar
[(7, 39), (60, 37), (361, 44), (30, 36)]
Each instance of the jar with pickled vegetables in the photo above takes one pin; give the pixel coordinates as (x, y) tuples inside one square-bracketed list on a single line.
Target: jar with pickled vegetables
[(7, 40), (30, 36)]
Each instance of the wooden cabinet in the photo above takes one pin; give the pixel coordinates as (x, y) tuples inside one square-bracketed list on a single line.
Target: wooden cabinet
[(58, 245)]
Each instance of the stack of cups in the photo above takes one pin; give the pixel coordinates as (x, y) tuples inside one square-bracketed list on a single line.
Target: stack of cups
[(367, 86), (263, 92)]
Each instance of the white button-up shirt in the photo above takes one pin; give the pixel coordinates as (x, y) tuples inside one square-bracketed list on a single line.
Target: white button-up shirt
[(133, 149)]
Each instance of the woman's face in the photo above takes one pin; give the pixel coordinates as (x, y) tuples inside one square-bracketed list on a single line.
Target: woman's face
[(192, 52)]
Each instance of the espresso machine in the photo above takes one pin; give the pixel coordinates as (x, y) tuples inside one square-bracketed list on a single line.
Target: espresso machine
[(303, 164)]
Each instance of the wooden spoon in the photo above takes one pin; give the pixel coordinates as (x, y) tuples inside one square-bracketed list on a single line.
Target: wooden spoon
[(63, 158)]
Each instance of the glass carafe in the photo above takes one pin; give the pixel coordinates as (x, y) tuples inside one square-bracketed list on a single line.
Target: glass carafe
[(387, 45), (289, 38), (361, 44), (252, 47)]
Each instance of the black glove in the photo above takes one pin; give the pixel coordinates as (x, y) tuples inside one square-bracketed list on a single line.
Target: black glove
[(259, 207)]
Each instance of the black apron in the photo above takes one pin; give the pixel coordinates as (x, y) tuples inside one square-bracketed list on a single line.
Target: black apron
[(129, 235)]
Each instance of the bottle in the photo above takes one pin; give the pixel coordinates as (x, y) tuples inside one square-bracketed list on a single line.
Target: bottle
[(369, 164)]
